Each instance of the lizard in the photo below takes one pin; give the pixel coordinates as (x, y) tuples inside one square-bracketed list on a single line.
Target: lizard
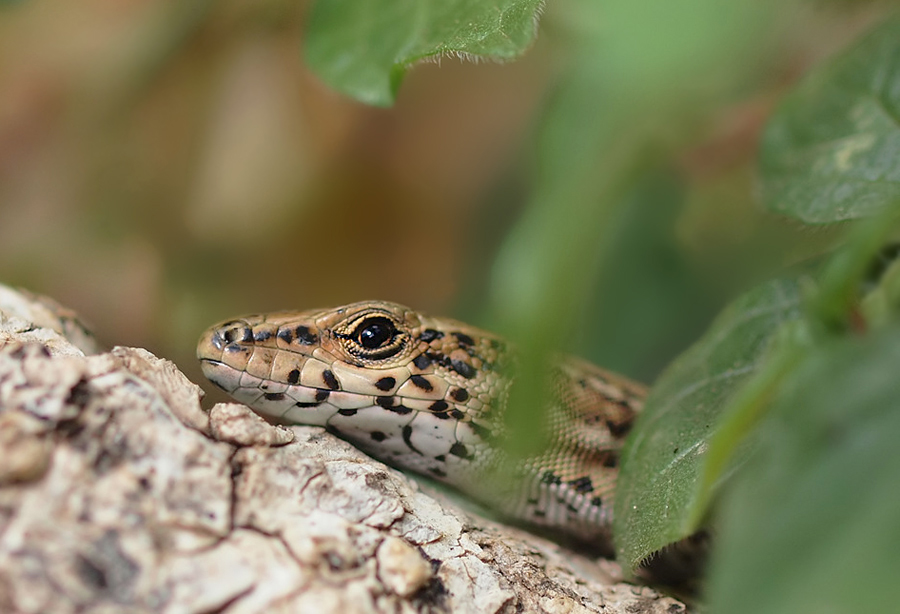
[(430, 395)]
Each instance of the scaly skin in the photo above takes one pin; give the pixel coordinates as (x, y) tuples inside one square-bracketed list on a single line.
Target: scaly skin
[(429, 395)]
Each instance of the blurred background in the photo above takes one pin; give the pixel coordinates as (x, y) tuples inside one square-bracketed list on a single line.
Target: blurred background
[(165, 165)]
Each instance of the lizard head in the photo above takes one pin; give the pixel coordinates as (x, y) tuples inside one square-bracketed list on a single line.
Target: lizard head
[(425, 391)]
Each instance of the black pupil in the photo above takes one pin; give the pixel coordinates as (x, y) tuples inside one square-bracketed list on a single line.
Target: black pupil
[(376, 333)]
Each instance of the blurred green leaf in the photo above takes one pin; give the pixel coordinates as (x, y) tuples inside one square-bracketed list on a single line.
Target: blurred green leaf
[(842, 280), (830, 152), (363, 49), (882, 304), (813, 526), (830, 308), (638, 84), (663, 459), (637, 328)]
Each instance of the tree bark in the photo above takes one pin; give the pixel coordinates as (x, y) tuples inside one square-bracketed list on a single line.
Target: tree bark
[(118, 493)]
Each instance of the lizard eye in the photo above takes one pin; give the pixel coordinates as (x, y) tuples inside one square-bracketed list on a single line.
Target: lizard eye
[(373, 336), (374, 333)]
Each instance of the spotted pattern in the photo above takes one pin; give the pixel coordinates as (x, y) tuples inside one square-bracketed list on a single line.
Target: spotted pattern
[(430, 395)]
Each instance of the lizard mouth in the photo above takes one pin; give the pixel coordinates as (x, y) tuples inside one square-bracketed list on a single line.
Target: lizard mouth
[(424, 439), (219, 374)]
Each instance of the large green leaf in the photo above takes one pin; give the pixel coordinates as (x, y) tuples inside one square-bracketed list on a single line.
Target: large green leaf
[(812, 526), (663, 459), (830, 152), (363, 48), (640, 77)]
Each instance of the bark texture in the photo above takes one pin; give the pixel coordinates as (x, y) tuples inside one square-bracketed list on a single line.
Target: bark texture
[(118, 493)]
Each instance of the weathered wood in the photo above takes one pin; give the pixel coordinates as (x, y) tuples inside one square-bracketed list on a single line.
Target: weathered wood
[(118, 493)]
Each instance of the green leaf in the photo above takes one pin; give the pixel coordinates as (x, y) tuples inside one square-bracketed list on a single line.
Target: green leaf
[(649, 322), (812, 525), (841, 281), (830, 152), (882, 304), (635, 86), (663, 459), (729, 445), (363, 48)]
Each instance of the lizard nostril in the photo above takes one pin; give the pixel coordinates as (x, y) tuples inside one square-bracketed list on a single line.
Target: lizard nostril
[(232, 332)]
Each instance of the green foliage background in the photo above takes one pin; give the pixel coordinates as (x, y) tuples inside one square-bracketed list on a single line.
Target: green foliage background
[(629, 172)]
